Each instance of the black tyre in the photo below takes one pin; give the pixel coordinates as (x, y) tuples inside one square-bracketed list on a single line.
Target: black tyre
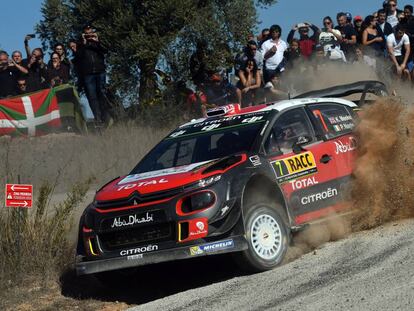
[(268, 238)]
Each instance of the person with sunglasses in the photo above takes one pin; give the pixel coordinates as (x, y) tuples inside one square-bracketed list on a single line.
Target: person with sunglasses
[(307, 43), (392, 12), (329, 39)]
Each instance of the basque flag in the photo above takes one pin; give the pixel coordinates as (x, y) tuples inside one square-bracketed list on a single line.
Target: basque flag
[(30, 115)]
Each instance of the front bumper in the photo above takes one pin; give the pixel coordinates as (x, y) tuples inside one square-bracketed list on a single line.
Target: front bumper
[(229, 245)]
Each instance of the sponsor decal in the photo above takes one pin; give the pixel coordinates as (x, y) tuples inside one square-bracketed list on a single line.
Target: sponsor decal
[(163, 172), (252, 119), (315, 197), (197, 229), (211, 247), (345, 147), (303, 183), (143, 184), (176, 134), (224, 210), (135, 257), (294, 167), (139, 250), (255, 160), (126, 221), (339, 119)]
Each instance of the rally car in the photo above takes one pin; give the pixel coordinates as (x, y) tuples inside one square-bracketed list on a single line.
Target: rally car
[(240, 181)]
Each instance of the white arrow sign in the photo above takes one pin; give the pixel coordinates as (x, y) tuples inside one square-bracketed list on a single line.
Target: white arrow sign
[(24, 203), (14, 187)]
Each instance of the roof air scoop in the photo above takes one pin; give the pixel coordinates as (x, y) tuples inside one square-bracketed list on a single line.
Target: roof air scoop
[(226, 110)]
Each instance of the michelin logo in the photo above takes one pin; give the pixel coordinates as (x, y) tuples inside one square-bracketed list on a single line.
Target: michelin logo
[(211, 247)]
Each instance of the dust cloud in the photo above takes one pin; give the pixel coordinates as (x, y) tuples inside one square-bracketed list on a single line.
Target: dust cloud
[(383, 177)]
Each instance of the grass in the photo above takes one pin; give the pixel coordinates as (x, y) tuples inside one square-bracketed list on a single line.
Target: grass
[(37, 246)]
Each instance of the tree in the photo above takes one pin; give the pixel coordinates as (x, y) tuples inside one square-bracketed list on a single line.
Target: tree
[(141, 35)]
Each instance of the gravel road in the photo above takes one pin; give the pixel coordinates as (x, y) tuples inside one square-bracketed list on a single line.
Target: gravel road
[(371, 270)]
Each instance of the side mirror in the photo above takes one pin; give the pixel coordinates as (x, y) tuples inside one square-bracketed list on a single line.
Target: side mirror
[(301, 140)]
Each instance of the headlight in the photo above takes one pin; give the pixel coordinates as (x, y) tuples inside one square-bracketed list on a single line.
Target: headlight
[(196, 202), (209, 181)]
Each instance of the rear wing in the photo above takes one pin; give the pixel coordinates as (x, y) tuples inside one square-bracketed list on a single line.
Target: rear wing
[(364, 87)]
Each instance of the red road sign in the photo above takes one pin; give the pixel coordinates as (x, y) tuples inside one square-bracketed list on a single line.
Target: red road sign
[(19, 195)]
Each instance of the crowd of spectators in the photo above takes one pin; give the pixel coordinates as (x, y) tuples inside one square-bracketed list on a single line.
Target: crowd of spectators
[(382, 41), (85, 67)]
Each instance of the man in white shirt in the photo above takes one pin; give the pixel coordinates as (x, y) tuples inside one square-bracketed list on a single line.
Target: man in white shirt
[(395, 43), (392, 16), (273, 51)]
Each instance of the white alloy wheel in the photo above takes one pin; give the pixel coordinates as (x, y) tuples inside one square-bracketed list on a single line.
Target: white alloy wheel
[(266, 237)]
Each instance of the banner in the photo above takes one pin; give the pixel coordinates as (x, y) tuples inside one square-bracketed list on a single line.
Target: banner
[(47, 111)]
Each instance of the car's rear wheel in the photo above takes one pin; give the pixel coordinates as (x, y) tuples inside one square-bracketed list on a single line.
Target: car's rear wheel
[(267, 236)]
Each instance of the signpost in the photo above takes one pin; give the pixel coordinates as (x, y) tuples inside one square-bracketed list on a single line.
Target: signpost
[(18, 195)]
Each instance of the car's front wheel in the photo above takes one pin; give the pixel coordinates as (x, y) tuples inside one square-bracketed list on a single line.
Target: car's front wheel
[(267, 236)]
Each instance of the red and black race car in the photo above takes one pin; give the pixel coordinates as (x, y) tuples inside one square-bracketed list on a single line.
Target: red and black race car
[(237, 181)]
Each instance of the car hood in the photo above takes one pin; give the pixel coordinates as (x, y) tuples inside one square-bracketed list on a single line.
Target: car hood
[(154, 181), (166, 179)]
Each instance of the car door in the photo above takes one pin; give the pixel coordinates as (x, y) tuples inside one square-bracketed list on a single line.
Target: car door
[(303, 165)]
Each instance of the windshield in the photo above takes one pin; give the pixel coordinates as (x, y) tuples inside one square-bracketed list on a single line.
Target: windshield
[(208, 140)]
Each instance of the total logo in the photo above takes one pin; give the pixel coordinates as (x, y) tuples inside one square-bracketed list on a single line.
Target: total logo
[(142, 184)]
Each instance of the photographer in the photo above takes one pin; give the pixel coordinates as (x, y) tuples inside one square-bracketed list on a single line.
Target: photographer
[(37, 76), (57, 73), (92, 61), (7, 76)]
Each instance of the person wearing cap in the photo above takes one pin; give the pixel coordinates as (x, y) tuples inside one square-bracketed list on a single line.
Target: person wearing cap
[(306, 43), (349, 35), (358, 28)]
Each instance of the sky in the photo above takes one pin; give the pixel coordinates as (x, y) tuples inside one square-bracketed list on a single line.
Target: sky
[(18, 17)]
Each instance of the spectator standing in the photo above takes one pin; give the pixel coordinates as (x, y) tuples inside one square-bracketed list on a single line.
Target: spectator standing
[(250, 81), (92, 60), (372, 38), (57, 72), (349, 35), (392, 13), (264, 35), (293, 54), (249, 52), (21, 86), (408, 13), (273, 51), (7, 76), (329, 39), (383, 25), (17, 62), (37, 76), (306, 43), (358, 28), (60, 50), (395, 43)]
